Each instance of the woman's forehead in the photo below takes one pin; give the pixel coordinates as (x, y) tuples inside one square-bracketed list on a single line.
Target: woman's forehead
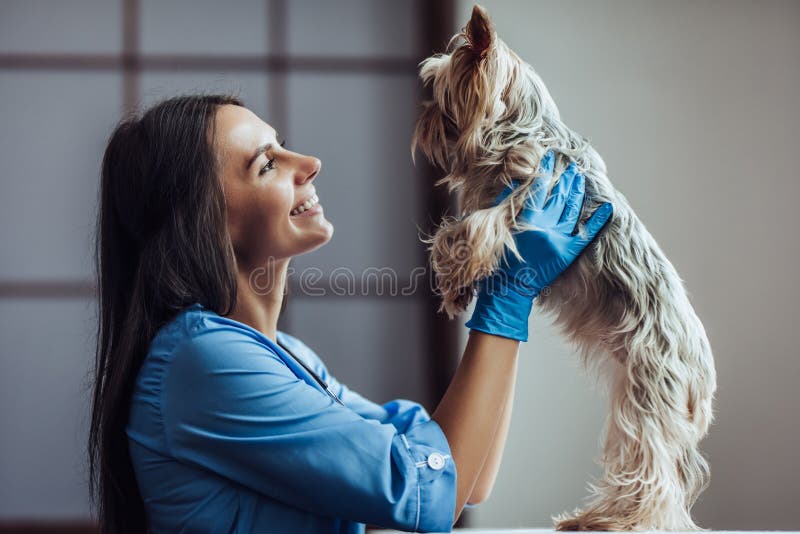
[(240, 132)]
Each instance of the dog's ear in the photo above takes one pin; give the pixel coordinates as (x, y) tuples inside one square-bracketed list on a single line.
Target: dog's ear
[(429, 135), (480, 32)]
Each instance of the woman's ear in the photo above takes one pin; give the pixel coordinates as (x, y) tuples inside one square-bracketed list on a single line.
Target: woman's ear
[(480, 32)]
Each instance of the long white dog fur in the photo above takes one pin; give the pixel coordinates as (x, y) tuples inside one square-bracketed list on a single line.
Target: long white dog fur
[(621, 303)]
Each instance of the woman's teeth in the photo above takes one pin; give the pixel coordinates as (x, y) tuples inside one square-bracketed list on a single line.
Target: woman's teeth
[(307, 205)]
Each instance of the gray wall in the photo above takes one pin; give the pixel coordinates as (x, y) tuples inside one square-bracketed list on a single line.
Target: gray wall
[(693, 106)]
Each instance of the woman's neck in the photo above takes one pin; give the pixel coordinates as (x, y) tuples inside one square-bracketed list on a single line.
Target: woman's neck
[(260, 294)]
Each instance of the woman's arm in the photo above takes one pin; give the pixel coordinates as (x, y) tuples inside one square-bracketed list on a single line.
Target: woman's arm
[(483, 487), (469, 413)]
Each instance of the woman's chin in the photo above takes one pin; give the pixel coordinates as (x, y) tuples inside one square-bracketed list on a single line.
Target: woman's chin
[(325, 230), (320, 237)]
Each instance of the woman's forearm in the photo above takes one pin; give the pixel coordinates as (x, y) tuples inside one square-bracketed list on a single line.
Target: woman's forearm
[(470, 411), (488, 475)]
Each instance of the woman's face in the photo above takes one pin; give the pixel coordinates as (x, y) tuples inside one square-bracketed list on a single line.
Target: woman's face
[(263, 187)]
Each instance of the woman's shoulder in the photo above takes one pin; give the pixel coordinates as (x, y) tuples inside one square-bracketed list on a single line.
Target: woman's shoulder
[(208, 335)]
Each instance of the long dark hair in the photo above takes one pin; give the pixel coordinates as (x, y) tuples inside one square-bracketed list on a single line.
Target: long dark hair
[(161, 244)]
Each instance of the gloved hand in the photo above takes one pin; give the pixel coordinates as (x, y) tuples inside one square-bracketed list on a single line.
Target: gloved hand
[(505, 298)]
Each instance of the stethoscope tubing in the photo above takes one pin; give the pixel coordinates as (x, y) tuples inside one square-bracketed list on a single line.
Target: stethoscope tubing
[(319, 380)]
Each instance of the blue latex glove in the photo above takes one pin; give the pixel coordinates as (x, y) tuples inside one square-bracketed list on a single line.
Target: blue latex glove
[(505, 298)]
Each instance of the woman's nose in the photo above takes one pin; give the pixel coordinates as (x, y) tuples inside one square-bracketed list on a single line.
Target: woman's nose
[(309, 169)]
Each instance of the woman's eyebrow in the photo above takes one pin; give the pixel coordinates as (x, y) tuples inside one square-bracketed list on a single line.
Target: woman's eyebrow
[(260, 150)]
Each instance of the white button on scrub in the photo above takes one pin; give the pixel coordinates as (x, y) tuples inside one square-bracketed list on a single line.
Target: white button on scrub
[(436, 461)]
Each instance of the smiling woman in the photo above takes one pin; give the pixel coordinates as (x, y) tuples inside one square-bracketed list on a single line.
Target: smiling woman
[(205, 417)]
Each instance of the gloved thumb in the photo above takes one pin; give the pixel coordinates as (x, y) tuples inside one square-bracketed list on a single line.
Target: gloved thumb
[(597, 221), (505, 192), (546, 165)]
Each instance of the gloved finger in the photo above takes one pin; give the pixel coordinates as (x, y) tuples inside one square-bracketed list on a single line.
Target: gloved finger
[(542, 184), (558, 196), (597, 221), (569, 218), (505, 192)]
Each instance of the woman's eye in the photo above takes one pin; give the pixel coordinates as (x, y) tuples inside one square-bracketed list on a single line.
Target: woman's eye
[(269, 166)]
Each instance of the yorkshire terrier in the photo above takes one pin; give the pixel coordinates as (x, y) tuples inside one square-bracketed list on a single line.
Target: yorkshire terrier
[(621, 302)]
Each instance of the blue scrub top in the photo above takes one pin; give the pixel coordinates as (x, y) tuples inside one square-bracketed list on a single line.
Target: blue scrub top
[(228, 433)]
